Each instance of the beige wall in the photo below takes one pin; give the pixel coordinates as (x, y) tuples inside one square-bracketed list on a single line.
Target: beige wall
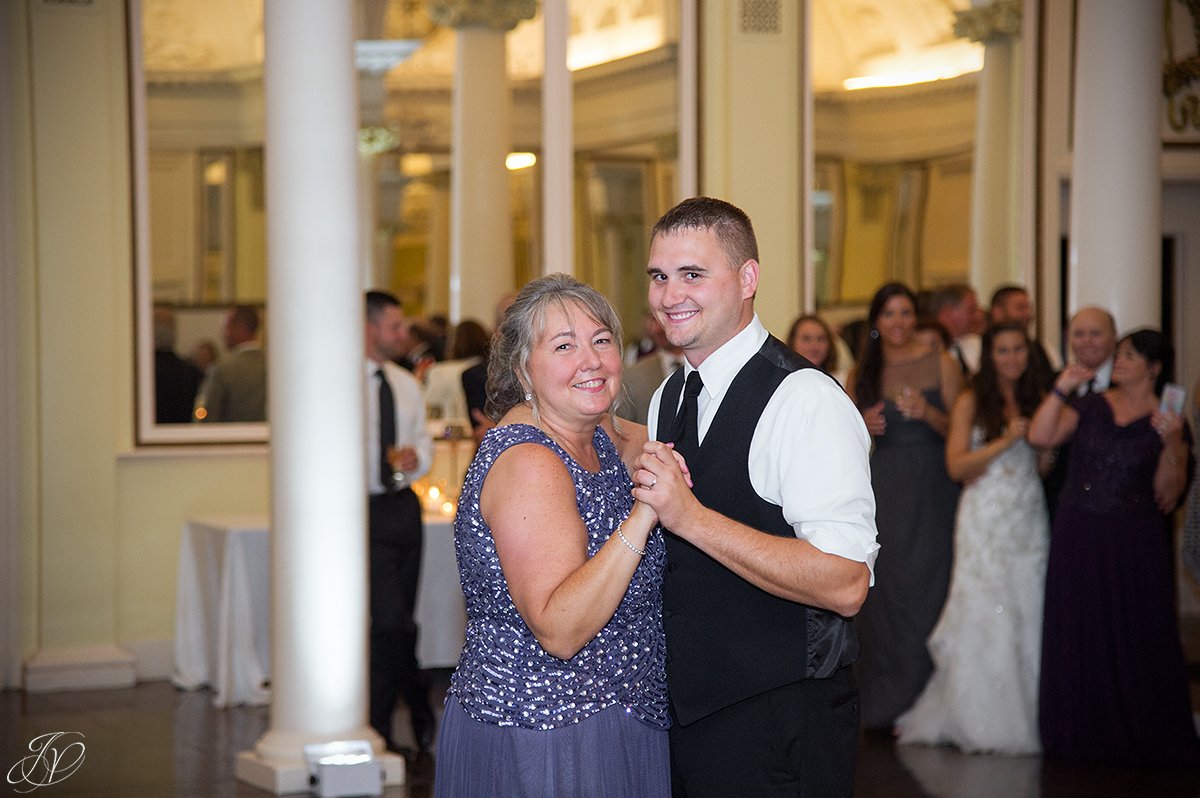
[(99, 526), (750, 146)]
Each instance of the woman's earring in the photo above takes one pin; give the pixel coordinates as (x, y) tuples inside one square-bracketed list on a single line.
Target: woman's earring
[(528, 396)]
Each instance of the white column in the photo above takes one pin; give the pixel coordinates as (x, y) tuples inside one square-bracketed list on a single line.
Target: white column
[(1116, 191), (558, 145), (688, 159), (318, 512), (481, 239), (437, 255), (372, 273), (996, 168)]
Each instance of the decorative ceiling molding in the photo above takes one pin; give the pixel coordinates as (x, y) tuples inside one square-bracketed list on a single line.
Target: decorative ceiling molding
[(499, 15), (979, 24), (1181, 70)]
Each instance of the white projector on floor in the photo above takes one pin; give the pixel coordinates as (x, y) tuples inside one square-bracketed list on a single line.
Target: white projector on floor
[(343, 768)]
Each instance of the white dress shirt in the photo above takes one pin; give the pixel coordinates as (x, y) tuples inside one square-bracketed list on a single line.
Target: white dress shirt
[(410, 421), (810, 454), (1100, 382)]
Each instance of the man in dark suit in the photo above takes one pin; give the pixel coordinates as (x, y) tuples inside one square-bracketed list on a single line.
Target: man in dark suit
[(399, 450), (176, 381), (773, 551)]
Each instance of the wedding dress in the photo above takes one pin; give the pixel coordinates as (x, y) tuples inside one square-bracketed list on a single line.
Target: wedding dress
[(986, 646)]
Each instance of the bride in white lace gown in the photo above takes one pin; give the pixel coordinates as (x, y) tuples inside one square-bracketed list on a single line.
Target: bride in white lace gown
[(986, 646)]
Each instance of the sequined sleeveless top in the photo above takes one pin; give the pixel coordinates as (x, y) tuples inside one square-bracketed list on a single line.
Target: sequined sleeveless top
[(504, 676)]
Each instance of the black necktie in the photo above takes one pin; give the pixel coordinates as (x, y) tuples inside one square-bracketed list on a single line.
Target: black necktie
[(387, 428), (962, 361), (683, 429), (1090, 387)]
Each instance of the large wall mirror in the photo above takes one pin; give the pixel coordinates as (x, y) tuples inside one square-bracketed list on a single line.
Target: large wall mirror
[(897, 87), (199, 149)]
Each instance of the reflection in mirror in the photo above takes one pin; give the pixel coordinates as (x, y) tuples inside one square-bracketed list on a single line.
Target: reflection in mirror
[(196, 72), (199, 148), (894, 96)]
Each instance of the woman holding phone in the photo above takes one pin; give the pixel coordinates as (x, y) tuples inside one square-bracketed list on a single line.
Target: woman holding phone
[(1114, 685)]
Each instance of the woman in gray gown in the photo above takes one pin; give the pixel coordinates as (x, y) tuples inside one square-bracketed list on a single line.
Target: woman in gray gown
[(904, 390)]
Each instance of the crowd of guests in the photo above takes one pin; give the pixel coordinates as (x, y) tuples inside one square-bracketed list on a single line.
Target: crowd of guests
[(1023, 601), (1025, 598), (666, 551), (1026, 592)]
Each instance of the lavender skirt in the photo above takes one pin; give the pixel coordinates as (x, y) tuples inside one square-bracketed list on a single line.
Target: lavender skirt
[(609, 754)]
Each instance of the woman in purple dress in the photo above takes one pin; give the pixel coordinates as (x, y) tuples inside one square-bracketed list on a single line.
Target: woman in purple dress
[(1114, 685), (560, 689)]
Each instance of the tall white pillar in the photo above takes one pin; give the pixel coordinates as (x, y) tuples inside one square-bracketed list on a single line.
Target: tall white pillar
[(481, 239), (1116, 174), (995, 188), (318, 485), (558, 144)]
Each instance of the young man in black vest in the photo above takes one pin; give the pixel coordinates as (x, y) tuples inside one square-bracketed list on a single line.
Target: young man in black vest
[(772, 551)]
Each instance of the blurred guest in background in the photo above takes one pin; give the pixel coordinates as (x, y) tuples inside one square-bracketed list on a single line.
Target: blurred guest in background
[(986, 647), (956, 307), (235, 390), (399, 451), (444, 394), (1191, 526), (204, 355), (903, 390), (176, 381), (811, 337), (932, 334), (1113, 681), (642, 379), (1012, 303)]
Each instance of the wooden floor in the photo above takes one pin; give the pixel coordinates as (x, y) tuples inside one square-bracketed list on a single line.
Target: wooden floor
[(153, 740)]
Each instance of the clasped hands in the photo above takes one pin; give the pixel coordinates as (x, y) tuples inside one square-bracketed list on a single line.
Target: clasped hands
[(661, 479)]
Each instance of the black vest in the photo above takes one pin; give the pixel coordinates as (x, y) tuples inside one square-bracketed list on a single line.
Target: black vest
[(728, 640)]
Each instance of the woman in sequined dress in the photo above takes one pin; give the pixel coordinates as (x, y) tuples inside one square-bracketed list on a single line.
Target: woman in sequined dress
[(1114, 686), (987, 644), (560, 689)]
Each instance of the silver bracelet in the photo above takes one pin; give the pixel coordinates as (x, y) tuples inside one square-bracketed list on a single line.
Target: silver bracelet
[(633, 548)]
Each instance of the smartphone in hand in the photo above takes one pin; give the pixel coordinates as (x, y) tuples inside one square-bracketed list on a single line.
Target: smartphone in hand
[(1173, 397)]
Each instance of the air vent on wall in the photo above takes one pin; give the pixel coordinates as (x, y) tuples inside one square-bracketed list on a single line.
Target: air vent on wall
[(762, 16)]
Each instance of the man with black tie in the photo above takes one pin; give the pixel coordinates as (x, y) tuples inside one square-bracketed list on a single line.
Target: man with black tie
[(1092, 336), (399, 450), (774, 550)]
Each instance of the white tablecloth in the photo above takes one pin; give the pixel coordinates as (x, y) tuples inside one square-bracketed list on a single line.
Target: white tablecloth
[(222, 615)]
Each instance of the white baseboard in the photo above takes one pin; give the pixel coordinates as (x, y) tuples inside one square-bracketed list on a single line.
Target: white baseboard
[(80, 668), (154, 659)]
